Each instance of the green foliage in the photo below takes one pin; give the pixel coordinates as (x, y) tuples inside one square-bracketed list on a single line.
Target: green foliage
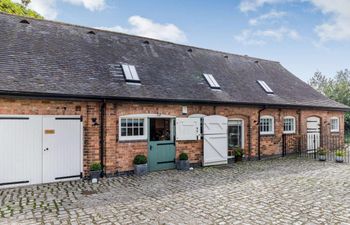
[(239, 152), (183, 156), (96, 167), (337, 88), (10, 7), (322, 151), (140, 159), (339, 153)]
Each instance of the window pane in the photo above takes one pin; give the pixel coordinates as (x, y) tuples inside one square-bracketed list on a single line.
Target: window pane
[(136, 131), (123, 132), (123, 123), (141, 131), (129, 132)]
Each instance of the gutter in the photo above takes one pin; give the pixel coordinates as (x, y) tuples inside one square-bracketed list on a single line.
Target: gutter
[(259, 136)]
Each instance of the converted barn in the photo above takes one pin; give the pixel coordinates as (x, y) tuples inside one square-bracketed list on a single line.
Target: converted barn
[(71, 96)]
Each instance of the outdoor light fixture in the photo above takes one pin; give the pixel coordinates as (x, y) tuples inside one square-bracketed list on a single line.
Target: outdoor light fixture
[(94, 122)]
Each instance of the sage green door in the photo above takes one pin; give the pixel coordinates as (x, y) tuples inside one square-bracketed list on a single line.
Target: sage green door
[(161, 144)]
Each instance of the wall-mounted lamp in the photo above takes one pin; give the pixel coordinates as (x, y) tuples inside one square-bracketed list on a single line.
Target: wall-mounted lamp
[(184, 110), (94, 122)]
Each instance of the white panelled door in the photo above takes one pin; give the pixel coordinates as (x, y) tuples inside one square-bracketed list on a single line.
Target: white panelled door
[(215, 140), (20, 150), (313, 133), (39, 149), (61, 148)]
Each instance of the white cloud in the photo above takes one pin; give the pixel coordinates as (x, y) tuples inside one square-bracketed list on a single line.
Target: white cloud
[(252, 5), (147, 28), (338, 27), (47, 8), (92, 5), (261, 37), (272, 15)]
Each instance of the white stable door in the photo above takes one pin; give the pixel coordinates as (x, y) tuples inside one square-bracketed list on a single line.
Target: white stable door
[(215, 140), (61, 148), (20, 150)]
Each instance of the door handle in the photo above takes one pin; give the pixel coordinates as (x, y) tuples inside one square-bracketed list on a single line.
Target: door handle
[(150, 147), (46, 149)]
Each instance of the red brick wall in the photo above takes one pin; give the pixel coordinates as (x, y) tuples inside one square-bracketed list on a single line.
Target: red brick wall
[(119, 154)]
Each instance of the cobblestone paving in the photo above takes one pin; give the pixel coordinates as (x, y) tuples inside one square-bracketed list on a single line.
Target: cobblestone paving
[(279, 191)]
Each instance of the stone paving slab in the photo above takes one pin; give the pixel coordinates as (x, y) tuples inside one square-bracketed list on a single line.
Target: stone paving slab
[(279, 191)]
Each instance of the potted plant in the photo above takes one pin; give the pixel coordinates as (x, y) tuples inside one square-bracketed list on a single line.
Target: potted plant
[(183, 163), (95, 171), (140, 165), (238, 154), (339, 156), (322, 154)]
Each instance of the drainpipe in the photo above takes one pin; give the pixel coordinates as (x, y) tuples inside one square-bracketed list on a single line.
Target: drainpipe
[(102, 141), (259, 115)]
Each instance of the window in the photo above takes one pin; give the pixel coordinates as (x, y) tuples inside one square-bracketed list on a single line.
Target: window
[(211, 81), (130, 73), (334, 124), (289, 125), (160, 129), (266, 87), (132, 129), (266, 125)]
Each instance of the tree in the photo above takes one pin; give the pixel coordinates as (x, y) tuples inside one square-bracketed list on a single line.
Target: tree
[(10, 7), (337, 88)]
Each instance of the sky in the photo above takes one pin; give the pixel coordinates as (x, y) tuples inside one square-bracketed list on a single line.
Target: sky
[(305, 36)]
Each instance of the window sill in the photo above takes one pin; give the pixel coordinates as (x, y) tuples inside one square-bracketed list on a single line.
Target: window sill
[(267, 134), (289, 132), (334, 131)]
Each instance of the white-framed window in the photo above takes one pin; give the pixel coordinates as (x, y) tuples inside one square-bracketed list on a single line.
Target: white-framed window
[(267, 125), (132, 128), (289, 125), (334, 124)]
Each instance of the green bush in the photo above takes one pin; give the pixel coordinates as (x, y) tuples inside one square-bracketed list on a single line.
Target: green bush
[(140, 159), (322, 151), (239, 152), (183, 156), (96, 166), (339, 153)]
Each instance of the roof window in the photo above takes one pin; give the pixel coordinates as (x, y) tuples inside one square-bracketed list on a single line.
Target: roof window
[(130, 73), (211, 81), (264, 86)]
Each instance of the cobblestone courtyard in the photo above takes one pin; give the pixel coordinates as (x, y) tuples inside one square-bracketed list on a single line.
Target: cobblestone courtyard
[(279, 191)]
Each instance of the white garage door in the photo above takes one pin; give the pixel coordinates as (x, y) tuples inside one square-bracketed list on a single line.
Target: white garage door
[(39, 149)]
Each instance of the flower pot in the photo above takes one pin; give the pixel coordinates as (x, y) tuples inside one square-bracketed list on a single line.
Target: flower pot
[(339, 159), (238, 158), (183, 165), (140, 169), (322, 157), (95, 174)]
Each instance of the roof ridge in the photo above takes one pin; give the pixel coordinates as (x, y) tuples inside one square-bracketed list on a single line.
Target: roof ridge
[(136, 36)]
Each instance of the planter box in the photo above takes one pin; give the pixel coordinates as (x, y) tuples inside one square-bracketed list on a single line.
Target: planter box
[(322, 157), (95, 174), (141, 169), (183, 165), (339, 159)]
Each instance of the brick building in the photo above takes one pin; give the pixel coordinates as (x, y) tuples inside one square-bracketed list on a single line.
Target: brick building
[(72, 95)]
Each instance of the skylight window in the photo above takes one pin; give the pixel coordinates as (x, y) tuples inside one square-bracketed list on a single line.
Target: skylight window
[(266, 87), (130, 73), (211, 81)]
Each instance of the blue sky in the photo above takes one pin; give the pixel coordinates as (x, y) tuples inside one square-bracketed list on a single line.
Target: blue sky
[(304, 35)]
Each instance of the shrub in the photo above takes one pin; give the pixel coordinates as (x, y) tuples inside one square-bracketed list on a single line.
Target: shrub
[(238, 152), (339, 153), (183, 156), (140, 159), (96, 166), (322, 151)]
